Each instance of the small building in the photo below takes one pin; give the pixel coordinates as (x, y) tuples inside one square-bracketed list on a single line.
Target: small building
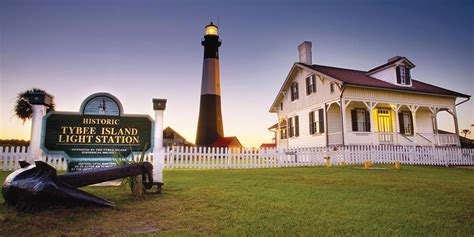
[(321, 105), (267, 146), (172, 138), (230, 142)]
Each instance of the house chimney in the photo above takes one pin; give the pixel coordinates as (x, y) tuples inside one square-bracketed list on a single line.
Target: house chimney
[(304, 50)]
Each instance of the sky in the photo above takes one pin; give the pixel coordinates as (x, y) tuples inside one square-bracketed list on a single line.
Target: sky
[(139, 50)]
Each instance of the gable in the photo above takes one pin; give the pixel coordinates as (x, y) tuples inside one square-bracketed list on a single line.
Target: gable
[(292, 77)]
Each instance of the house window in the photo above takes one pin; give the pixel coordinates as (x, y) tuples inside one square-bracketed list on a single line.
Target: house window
[(316, 122), (360, 120), (403, 75), (294, 91), (406, 123), (293, 124), (283, 133), (310, 85), (331, 87), (283, 124), (281, 106)]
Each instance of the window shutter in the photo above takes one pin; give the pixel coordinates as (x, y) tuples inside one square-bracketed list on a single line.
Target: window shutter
[(314, 83), (399, 80), (407, 76), (290, 125), (296, 89), (297, 126), (311, 119), (354, 120), (367, 121), (307, 85), (291, 92), (402, 123), (411, 124), (321, 121)]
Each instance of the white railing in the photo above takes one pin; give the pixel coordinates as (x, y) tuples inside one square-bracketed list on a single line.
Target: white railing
[(447, 140), (358, 138), (335, 138), (225, 158), (386, 137)]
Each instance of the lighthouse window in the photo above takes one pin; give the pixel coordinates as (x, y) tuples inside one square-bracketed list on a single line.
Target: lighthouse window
[(294, 91)]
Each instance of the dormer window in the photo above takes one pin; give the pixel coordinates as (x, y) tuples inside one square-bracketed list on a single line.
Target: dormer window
[(403, 75)]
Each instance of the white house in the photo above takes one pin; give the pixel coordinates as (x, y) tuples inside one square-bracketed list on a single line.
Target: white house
[(321, 105)]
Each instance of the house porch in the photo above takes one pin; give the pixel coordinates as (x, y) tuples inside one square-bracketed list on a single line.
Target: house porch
[(365, 122)]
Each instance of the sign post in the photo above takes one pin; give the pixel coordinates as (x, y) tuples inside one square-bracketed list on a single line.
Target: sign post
[(39, 102), (159, 105)]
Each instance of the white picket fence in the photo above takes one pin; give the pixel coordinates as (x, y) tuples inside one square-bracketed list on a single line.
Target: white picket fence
[(225, 158), (9, 157), (219, 158)]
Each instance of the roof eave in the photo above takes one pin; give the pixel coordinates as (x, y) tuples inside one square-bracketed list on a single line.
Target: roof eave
[(390, 64), (407, 91), (280, 92)]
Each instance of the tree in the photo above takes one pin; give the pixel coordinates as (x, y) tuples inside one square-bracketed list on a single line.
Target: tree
[(465, 132), (23, 108)]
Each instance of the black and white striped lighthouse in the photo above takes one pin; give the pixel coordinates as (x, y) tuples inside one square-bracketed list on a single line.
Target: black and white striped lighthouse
[(210, 126)]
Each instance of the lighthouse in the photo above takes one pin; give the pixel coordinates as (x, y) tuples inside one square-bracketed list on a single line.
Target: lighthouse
[(210, 127)]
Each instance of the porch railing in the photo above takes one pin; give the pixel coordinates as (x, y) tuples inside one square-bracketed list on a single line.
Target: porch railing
[(386, 137), (447, 140), (335, 138)]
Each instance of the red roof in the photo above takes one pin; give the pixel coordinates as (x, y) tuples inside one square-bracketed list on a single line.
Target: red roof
[(267, 145), (226, 142), (360, 78)]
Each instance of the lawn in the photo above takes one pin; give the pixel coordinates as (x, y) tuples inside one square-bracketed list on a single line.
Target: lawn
[(280, 201)]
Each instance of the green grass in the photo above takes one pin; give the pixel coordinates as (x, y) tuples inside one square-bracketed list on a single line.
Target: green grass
[(281, 201)]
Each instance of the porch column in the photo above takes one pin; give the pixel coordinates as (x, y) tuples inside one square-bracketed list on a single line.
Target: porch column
[(413, 109), (343, 107), (343, 114), (456, 126), (396, 108), (371, 107), (434, 119), (326, 124)]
